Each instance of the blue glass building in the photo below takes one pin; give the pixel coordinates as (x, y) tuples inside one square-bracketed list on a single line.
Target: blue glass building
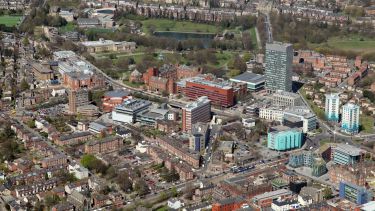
[(354, 193), (283, 138)]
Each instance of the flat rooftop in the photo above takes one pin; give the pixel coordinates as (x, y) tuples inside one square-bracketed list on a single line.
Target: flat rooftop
[(272, 194), (199, 102), (218, 84), (103, 43), (134, 104), (249, 77), (117, 93), (349, 149)]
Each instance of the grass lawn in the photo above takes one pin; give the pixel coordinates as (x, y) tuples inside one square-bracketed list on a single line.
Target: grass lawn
[(350, 43), (353, 43), (254, 38), (68, 27), (99, 30), (65, 3), (10, 20), (367, 123), (223, 58), (179, 26)]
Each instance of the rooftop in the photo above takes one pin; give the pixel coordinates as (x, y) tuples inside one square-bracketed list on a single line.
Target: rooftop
[(117, 93), (134, 104), (350, 106), (332, 95), (349, 149), (286, 94), (249, 77), (199, 102), (213, 83), (102, 42), (370, 206), (64, 54), (278, 46), (272, 194)]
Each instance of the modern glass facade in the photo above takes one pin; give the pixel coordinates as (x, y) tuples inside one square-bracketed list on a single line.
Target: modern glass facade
[(354, 193), (347, 155), (279, 58), (304, 158), (284, 140), (350, 118), (332, 107), (318, 167)]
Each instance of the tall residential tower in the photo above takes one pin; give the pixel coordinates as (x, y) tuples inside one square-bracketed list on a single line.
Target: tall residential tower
[(350, 118), (279, 58), (332, 107)]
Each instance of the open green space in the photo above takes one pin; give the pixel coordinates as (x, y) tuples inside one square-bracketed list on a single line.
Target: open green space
[(10, 20), (223, 57), (254, 38), (65, 3), (367, 123), (67, 28), (353, 43), (150, 25)]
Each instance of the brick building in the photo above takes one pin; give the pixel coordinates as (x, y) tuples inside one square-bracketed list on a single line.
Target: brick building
[(221, 93), (175, 148), (164, 79), (56, 160), (229, 204), (113, 98), (73, 138), (41, 72), (355, 175), (108, 144), (77, 98), (78, 80)]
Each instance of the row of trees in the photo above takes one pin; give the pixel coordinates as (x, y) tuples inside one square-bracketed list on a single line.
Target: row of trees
[(38, 16)]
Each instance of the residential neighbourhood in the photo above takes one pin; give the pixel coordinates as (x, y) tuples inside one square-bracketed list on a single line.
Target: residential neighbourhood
[(187, 105)]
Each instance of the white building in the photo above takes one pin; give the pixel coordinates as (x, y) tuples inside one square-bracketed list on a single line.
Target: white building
[(248, 123), (79, 171), (108, 45), (301, 113), (271, 113), (141, 147), (174, 203), (58, 92), (128, 110), (350, 118), (283, 98), (332, 107)]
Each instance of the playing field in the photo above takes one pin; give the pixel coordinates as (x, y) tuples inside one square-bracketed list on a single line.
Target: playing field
[(178, 26), (10, 20), (353, 44)]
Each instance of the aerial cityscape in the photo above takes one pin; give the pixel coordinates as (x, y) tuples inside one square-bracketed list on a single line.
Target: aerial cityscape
[(158, 105)]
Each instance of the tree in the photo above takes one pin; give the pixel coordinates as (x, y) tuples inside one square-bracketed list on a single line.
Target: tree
[(141, 187), (239, 64), (31, 123), (51, 199), (124, 182), (88, 160), (327, 193), (24, 85), (189, 190), (25, 41)]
